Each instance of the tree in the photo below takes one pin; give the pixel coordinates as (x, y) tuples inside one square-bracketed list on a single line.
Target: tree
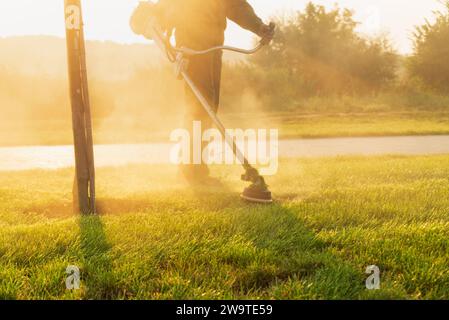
[(430, 61), (319, 52)]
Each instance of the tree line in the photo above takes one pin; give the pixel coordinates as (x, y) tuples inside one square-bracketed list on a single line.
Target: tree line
[(318, 52)]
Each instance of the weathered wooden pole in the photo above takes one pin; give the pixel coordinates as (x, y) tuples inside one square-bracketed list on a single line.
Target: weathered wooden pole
[(84, 186)]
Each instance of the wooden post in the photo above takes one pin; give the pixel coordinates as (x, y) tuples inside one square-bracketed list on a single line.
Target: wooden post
[(84, 186)]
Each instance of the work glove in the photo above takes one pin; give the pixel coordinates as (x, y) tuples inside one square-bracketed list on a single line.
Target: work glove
[(267, 33)]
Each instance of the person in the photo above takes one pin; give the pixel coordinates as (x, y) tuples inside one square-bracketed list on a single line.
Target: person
[(199, 25)]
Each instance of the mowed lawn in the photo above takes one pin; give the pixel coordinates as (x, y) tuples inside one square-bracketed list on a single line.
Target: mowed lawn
[(156, 238)]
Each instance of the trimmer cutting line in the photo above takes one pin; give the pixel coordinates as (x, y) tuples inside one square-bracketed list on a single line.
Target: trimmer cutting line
[(258, 191)]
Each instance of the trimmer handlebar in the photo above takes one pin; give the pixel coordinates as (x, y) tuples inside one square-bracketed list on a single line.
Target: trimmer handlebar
[(192, 52)]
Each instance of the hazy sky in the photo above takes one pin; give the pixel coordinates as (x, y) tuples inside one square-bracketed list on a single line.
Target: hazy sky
[(108, 19)]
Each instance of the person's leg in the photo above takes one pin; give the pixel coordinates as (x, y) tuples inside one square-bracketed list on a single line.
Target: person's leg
[(216, 77), (205, 72)]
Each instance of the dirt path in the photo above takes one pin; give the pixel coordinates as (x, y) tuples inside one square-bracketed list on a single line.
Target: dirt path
[(25, 158)]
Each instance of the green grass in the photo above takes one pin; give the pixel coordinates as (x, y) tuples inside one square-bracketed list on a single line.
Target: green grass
[(363, 125), (158, 239), (290, 124)]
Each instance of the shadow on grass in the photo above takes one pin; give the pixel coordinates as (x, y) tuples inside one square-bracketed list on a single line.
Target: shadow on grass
[(287, 259), (98, 276), (293, 262)]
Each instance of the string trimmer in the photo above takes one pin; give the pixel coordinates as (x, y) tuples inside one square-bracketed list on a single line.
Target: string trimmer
[(258, 190)]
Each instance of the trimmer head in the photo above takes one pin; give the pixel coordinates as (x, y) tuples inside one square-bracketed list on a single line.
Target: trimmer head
[(256, 195), (258, 191)]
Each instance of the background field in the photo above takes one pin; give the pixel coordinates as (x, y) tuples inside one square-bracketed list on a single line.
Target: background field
[(136, 98), (157, 238)]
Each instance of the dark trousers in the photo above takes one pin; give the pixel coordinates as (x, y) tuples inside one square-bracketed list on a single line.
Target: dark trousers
[(205, 72)]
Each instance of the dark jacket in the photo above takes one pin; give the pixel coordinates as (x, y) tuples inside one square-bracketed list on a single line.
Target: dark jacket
[(200, 24)]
